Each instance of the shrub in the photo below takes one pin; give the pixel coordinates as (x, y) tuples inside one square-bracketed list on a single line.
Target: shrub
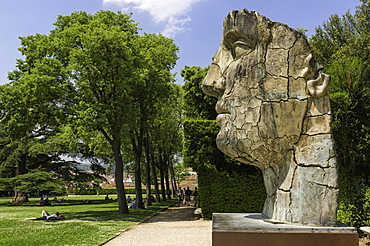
[(224, 184)]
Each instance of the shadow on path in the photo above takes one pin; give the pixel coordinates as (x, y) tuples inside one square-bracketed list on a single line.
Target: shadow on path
[(175, 213), (168, 228)]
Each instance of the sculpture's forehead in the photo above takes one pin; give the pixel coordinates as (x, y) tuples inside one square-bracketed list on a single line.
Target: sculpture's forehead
[(240, 24)]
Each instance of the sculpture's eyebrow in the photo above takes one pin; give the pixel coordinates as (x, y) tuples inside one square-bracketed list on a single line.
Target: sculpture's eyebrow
[(236, 37), (244, 41)]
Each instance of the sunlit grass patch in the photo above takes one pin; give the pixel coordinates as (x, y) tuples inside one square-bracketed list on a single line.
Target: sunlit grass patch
[(85, 224)]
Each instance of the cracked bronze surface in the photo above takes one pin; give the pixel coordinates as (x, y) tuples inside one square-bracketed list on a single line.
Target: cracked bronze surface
[(274, 113)]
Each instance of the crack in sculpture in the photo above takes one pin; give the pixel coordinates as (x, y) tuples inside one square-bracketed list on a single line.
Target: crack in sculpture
[(274, 113)]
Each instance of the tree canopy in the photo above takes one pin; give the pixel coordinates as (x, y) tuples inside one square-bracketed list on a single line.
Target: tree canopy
[(93, 77)]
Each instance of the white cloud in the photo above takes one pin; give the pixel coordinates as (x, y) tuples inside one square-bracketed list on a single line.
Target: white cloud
[(171, 12), (175, 25)]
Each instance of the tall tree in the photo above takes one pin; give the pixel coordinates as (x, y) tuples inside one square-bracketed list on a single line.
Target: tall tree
[(30, 116), (154, 86), (105, 76), (103, 67), (30, 149), (167, 137), (91, 59)]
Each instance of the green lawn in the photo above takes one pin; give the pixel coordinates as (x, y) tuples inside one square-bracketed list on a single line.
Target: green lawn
[(85, 224)]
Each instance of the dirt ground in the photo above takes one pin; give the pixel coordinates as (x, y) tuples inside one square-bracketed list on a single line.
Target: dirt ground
[(176, 226), (364, 241)]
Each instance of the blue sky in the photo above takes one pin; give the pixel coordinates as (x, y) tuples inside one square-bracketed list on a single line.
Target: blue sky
[(195, 25)]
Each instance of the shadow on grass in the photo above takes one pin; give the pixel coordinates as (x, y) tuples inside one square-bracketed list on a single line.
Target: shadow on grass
[(59, 203), (136, 215), (94, 212), (98, 210)]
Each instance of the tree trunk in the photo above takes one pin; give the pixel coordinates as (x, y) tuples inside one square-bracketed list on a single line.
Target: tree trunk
[(174, 186), (137, 149), (168, 191), (147, 165), (163, 188), (138, 188), (20, 197), (122, 203), (115, 143), (174, 183), (155, 178)]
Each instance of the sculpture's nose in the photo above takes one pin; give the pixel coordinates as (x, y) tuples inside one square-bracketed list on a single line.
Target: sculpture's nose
[(214, 83)]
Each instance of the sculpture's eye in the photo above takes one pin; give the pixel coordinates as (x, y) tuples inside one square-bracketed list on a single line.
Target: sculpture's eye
[(242, 46)]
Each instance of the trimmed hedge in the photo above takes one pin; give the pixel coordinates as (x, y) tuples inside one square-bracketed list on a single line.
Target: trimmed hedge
[(225, 185)]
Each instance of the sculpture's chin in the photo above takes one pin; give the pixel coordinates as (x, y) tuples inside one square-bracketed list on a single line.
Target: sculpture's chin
[(221, 140), (245, 150), (240, 149), (223, 120)]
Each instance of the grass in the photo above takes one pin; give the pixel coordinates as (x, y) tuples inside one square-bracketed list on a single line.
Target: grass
[(85, 224)]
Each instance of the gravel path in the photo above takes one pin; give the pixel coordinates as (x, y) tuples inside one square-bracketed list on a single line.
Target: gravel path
[(175, 226)]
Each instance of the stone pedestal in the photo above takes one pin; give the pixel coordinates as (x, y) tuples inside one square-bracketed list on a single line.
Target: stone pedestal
[(249, 229)]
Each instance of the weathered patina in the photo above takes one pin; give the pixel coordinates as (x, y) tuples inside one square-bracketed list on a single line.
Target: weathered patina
[(274, 113)]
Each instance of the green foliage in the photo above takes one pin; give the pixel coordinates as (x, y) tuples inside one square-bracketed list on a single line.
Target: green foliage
[(302, 30), (342, 46), (196, 103), (354, 204), (180, 172), (224, 184), (32, 182), (90, 86), (231, 192)]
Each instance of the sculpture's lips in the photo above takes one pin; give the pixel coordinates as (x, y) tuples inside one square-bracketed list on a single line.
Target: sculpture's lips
[(222, 119)]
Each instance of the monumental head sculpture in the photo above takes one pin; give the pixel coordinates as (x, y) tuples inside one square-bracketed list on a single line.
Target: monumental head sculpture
[(274, 113)]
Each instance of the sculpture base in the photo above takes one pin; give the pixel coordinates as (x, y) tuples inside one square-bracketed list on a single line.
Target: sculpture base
[(239, 229)]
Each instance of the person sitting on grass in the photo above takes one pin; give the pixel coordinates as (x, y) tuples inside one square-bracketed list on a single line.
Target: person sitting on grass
[(133, 204), (47, 202), (46, 216)]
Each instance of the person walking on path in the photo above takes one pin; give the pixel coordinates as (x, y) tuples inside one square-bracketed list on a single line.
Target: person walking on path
[(187, 196), (180, 195), (195, 197)]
